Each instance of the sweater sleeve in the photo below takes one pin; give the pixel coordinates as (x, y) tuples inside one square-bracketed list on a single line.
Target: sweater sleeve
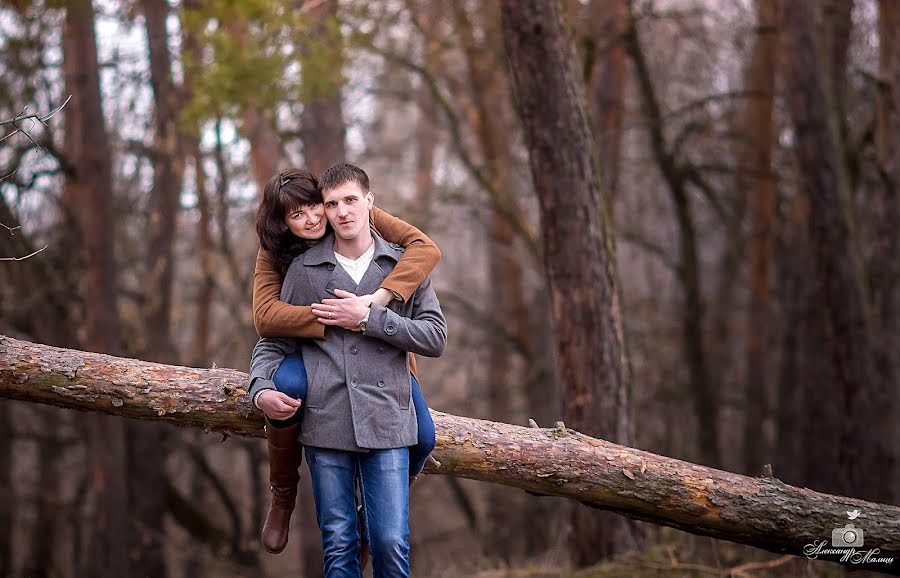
[(419, 259), (273, 317)]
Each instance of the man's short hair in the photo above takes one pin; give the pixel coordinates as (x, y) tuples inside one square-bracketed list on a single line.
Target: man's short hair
[(342, 173)]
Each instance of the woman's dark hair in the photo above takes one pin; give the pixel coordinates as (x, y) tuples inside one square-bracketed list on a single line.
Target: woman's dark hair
[(285, 192)]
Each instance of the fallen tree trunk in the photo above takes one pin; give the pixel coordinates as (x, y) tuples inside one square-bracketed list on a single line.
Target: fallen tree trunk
[(760, 512)]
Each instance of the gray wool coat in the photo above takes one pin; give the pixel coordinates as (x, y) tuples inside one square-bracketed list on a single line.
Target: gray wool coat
[(359, 388)]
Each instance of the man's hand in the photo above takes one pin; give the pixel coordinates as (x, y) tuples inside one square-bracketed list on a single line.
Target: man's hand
[(346, 311), (277, 405)]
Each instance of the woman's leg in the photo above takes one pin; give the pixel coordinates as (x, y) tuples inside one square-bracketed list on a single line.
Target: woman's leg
[(419, 453), (285, 451), (290, 379)]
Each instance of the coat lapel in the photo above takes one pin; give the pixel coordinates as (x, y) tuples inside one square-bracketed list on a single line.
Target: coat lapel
[(325, 273), (383, 260)]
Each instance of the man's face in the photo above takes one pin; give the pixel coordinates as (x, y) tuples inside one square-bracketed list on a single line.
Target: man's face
[(347, 208)]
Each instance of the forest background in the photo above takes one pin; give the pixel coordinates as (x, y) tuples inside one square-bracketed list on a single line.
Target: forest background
[(747, 169)]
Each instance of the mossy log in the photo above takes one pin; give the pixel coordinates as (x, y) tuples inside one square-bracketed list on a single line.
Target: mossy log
[(758, 511)]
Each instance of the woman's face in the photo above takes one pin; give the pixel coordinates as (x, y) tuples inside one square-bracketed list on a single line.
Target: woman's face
[(307, 221)]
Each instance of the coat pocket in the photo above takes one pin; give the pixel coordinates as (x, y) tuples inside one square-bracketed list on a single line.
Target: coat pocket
[(314, 394)]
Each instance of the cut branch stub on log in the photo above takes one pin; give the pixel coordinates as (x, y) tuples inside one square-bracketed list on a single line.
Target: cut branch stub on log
[(760, 512)]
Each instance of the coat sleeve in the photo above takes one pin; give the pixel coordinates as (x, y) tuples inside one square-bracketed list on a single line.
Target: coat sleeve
[(423, 333), (272, 316), (419, 259)]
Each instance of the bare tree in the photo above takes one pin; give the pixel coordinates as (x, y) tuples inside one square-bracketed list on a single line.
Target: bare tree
[(678, 177), (578, 244), (845, 306), (89, 189), (756, 172), (322, 120)]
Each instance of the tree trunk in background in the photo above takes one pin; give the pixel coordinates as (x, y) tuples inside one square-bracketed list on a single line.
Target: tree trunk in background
[(427, 133), (87, 147), (847, 313), (147, 448), (40, 560), (168, 168), (886, 277), (756, 174), (703, 390), (608, 78), (257, 126), (203, 245), (579, 248), (201, 348), (7, 501), (835, 35), (493, 127), (322, 121)]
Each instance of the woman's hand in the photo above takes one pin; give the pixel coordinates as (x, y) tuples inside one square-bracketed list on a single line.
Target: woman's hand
[(277, 405), (346, 311)]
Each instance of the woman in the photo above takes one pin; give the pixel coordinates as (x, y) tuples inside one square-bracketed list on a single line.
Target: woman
[(290, 219)]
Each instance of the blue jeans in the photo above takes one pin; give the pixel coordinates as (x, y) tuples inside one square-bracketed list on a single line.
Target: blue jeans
[(290, 379), (384, 487)]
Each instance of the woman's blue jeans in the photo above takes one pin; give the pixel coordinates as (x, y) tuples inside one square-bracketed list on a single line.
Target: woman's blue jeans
[(290, 379)]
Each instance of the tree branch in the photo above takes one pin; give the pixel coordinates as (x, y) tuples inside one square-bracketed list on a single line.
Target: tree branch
[(761, 512)]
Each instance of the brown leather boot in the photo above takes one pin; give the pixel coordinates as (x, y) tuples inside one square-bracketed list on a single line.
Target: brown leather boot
[(284, 475)]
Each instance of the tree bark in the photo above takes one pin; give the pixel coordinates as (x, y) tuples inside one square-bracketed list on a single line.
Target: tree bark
[(761, 512), (40, 560), (7, 503), (322, 120), (494, 128), (866, 425), (90, 189), (168, 168), (579, 251), (886, 282), (607, 90), (257, 125), (702, 389), (760, 130)]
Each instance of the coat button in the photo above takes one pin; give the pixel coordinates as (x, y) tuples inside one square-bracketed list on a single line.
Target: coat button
[(390, 329), (331, 266), (354, 350), (354, 382), (380, 384)]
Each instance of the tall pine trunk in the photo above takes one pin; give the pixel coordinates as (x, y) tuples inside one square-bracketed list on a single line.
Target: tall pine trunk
[(7, 503), (844, 304), (89, 187), (579, 249), (758, 177), (494, 130), (322, 122)]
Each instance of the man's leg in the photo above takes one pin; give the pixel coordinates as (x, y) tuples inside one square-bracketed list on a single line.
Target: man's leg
[(333, 474), (384, 481)]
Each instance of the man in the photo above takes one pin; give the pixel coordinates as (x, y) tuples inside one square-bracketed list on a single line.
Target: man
[(358, 418)]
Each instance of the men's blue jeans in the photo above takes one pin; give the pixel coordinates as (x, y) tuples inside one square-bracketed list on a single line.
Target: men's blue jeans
[(384, 486)]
